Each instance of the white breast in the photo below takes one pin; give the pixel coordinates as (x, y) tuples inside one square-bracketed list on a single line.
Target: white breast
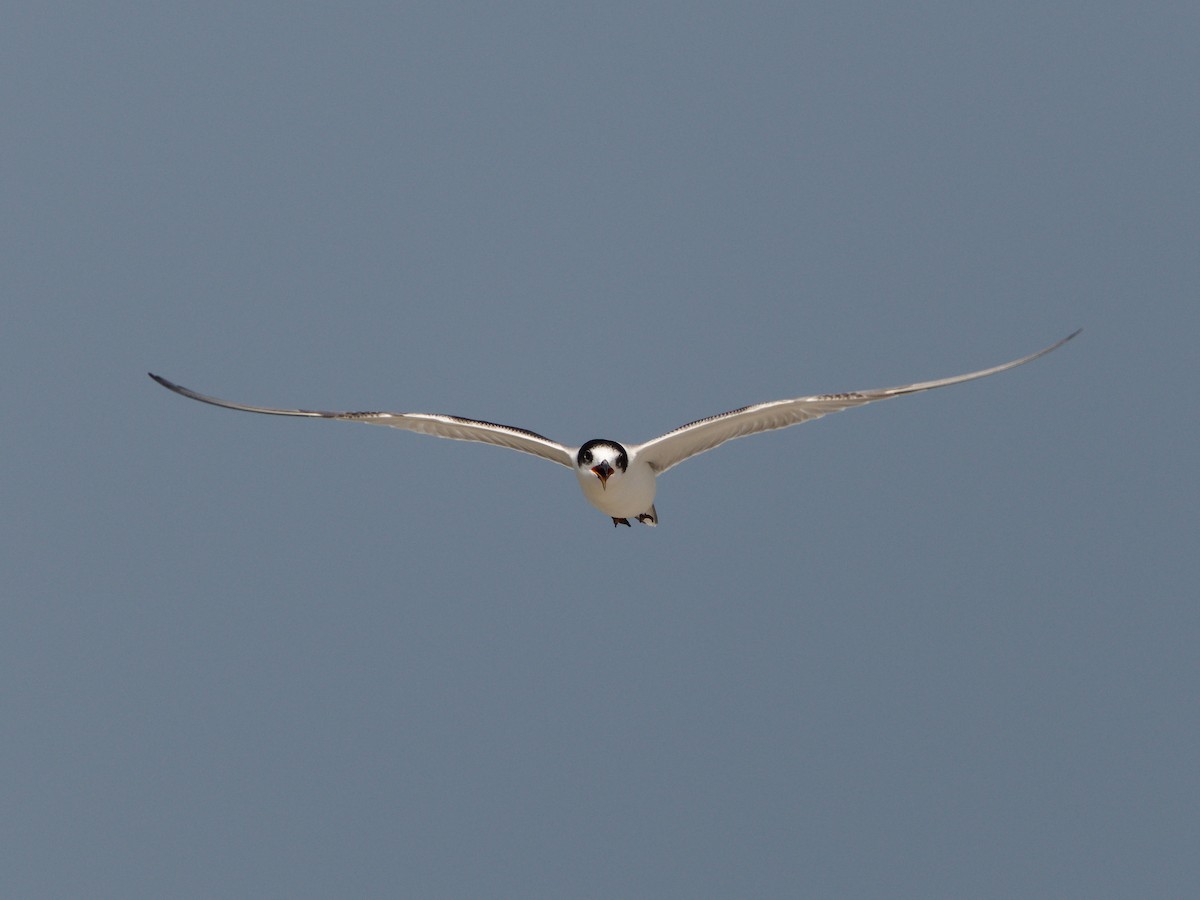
[(628, 494)]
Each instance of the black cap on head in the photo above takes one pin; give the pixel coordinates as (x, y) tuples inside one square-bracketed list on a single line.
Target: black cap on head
[(599, 447)]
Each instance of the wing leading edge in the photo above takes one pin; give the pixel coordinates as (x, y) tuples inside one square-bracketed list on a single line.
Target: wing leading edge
[(696, 437), (454, 428)]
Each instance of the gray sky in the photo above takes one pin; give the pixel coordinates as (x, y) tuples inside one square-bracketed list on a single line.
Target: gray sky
[(940, 647)]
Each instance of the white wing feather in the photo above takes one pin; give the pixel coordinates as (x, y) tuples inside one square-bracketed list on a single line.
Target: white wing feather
[(453, 427), (696, 437)]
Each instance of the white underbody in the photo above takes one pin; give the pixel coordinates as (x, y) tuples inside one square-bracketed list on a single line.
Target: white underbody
[(626, 495)]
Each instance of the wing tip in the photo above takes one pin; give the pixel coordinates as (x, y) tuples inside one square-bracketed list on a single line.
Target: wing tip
[(1074, 334), (169, 385)]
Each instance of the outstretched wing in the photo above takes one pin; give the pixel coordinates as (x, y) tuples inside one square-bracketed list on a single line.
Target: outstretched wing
[(453, 427), (704, 434)]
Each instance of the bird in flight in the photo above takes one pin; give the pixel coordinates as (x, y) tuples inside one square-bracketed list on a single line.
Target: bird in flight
[(619, 479)]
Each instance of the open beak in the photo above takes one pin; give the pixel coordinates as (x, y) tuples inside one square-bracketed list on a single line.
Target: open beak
[(602, 472)]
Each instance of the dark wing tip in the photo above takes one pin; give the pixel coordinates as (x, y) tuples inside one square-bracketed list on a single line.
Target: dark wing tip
[(1057, 344), (182, 391)]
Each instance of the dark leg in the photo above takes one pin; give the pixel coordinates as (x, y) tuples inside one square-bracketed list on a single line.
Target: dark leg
[(617, 522)]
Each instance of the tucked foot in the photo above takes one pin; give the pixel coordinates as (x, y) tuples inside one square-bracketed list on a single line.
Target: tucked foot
[(649, 517), (624, 522)]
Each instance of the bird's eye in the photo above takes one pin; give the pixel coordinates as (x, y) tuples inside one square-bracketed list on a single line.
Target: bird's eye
[(585, 456), (621, 463)]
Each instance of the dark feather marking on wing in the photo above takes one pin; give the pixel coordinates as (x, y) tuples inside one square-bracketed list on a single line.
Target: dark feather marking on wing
[(460, 419), (513, 429), (732, 412), (848, 395)]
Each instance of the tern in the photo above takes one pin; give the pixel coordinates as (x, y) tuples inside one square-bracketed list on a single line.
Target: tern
[(619, 479)]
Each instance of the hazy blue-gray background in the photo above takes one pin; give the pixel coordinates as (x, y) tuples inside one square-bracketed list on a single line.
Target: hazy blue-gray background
[(944, 647)]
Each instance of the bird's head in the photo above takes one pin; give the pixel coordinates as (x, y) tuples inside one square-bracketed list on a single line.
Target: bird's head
[(602, 459)]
